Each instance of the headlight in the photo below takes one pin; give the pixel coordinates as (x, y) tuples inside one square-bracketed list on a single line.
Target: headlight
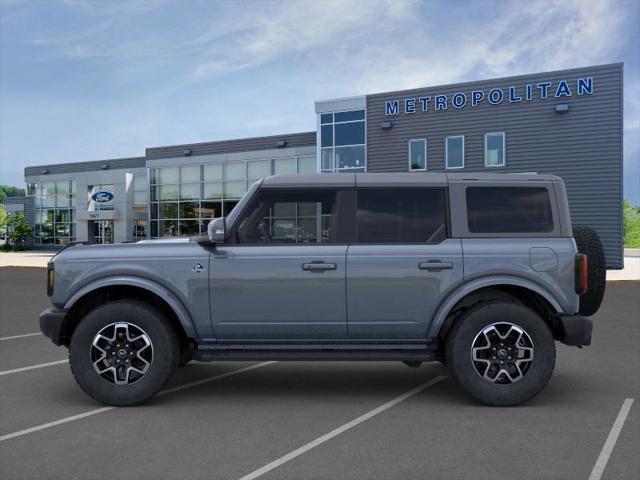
[(51, 277)]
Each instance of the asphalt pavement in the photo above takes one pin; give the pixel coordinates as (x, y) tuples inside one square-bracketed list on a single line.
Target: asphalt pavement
[(318, 420)]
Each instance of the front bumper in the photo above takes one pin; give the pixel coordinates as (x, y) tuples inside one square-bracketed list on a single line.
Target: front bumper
[(52, 322), (575, 330)]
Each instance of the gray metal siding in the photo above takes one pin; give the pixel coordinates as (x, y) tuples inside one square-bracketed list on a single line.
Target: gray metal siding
[(583, 146), (232, 146), (96, 165)]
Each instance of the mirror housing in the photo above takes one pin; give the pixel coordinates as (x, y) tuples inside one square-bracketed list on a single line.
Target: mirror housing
[(216, 230)]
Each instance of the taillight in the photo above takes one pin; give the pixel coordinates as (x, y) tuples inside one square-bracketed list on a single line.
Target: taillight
[(50, 278), (581, 274)]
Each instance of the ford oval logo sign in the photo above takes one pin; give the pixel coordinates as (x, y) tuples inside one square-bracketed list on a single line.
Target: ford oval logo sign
[(102, 197)]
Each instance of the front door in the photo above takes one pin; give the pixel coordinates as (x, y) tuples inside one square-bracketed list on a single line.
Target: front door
[(402, 263), (282, 273), (101, 231)]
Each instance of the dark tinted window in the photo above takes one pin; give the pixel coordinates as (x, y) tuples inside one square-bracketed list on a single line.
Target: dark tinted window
[(509, 210), (414, 215), (289, 216)]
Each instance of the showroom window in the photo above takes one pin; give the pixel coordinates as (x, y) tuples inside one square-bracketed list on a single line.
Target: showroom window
[(494, 150), (454, 151), (183, 200), (54, 212), (389, 215), (342, 141), (418, 154)]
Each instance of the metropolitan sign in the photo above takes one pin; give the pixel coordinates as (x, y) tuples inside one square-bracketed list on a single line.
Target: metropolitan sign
[(494, 96)]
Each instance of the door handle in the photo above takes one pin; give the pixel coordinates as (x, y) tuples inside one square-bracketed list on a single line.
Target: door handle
[(435, 266), (319, 266)]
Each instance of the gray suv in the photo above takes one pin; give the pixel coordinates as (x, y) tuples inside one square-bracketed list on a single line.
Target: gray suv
[(482, 272)]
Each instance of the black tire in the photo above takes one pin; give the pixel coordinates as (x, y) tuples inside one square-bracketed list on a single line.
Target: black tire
[(467, 329), (165, 352), (588, 243)]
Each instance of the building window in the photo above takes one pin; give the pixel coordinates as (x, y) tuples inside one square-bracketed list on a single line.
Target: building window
[(185, 199), (390, 215), (342, 141), (54, 212), (418, 154), (494, 149), (454, 149)]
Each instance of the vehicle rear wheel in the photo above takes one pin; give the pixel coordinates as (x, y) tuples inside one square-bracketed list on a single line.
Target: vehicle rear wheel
[(502, 353), (588, 243), (123, 352)]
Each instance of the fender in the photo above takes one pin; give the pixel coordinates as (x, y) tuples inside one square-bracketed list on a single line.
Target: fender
[(465, 289), (174, 303)]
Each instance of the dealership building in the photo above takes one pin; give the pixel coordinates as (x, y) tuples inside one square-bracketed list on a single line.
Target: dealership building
[(567, 123)]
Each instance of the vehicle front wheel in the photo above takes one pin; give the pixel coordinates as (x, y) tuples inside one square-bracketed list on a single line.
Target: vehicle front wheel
[(123, 352), (502, 353)]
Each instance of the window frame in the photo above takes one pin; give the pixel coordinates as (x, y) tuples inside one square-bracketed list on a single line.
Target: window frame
[(426, 163), (446, 152), (504, 149), (447, 215), (332, 148)]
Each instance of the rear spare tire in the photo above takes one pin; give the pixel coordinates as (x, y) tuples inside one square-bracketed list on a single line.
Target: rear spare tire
[(588, 243)]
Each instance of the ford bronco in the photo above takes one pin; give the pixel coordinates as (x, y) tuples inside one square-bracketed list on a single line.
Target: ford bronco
[(482, 272)]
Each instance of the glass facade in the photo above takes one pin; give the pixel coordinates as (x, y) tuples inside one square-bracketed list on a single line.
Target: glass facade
[(54, 212), (342, 141), (183, 200)]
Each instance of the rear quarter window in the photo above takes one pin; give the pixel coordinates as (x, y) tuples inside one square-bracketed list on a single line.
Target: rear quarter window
[(509, 210)]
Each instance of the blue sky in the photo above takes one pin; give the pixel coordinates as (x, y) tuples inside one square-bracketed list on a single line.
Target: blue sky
[(87, 80)]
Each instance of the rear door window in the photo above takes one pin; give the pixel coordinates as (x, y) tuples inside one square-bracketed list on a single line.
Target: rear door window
[(415, 215), (509, 210)]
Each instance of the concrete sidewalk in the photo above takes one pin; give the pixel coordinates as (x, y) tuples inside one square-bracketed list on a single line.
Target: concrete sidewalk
[(29, 258), (34, 258)]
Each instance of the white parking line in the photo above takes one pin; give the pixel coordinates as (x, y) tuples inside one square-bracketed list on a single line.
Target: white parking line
[(97, 411), (32, 367), (20, 336), (601, 463), (334, 433)]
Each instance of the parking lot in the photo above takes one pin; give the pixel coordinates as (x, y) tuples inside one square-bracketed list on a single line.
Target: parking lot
[(331, 420)]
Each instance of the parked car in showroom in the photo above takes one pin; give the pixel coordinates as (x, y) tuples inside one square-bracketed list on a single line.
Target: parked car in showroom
[(483, 272)]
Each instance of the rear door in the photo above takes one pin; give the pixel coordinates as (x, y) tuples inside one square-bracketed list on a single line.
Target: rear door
[(402, 262)]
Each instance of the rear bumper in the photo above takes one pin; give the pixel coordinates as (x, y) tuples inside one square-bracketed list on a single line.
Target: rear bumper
[(575, 330), (51, 324)]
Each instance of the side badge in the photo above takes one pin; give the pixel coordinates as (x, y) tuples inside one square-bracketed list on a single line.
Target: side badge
[(197, 268)]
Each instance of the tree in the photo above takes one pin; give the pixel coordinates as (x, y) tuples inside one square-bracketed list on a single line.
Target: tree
[(631, 225), (17, 230), (3, 218), (9, 191)]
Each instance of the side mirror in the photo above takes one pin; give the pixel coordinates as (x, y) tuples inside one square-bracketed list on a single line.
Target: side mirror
[(216, 230)]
